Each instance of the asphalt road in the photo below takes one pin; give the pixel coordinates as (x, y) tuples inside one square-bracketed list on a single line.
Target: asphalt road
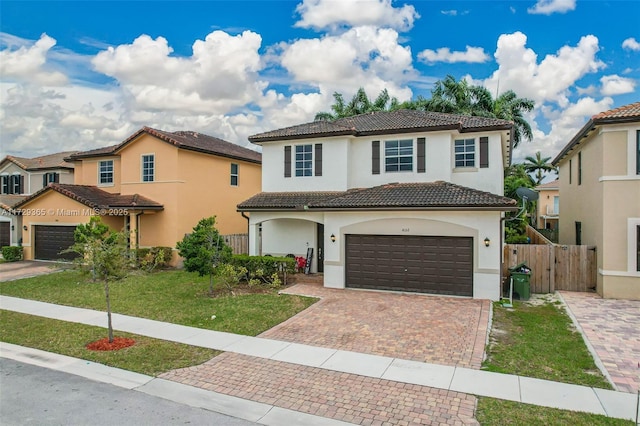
[(31, 395)]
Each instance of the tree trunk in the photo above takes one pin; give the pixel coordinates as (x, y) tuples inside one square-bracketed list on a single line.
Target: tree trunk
[(109, 325)]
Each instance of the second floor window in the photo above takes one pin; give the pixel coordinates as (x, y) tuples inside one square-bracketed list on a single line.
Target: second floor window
[(148, 168), (398, 155), (51, 177), (465, 152), (304, 160), (234, 174), (105, 172), (4, 180)]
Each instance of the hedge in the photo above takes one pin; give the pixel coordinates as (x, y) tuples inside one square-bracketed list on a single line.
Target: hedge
[(12, 253)]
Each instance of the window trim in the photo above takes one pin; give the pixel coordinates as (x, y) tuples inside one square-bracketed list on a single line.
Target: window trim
[(309, 160), (465, 153), (142, 167), (16, 182), (100, 172), (234, 175), (399, 155)]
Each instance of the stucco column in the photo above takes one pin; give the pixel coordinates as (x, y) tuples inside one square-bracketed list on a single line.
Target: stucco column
[(133, 230), (254, 239)]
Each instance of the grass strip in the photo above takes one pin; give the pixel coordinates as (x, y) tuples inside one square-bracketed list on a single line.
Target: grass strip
[(540, 341), (496, 412), (148, 356), (174, 296)]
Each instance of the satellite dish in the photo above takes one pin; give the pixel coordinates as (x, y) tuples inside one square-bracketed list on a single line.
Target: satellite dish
[(527, 194)]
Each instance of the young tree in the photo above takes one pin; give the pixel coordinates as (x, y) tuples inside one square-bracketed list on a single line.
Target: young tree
[(204, 249), (104, 254)]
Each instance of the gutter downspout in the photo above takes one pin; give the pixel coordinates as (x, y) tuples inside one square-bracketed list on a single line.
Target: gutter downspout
[(248, 232)]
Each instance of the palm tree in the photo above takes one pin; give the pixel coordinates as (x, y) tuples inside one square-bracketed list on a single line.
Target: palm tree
[(538, 165), (359, 104)]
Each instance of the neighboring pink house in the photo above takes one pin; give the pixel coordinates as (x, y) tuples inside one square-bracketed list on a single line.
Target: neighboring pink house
[(548, 205)]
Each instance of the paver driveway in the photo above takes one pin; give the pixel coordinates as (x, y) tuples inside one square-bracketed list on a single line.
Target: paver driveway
[(439, 330), (612, 327), (443, 330), (25, 268)]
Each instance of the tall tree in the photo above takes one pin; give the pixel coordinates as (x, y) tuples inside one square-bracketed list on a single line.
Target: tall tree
[(359, 104), (104, 254), (539, 166)]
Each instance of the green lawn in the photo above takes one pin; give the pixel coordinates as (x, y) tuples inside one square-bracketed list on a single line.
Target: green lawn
[(147, 356), (172, 296)]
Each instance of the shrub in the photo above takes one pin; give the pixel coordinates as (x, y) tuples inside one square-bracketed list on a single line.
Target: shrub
[(152, 258), (230, 276), (265, 270), (12, 253)]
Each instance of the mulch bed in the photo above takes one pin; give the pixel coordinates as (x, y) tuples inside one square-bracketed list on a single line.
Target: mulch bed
[(104, 344)]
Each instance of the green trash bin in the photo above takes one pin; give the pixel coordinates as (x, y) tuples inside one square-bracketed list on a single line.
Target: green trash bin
[(521, 275)]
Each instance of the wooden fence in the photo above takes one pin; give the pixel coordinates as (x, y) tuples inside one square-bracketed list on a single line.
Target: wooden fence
[(554, 267), (239, 243)]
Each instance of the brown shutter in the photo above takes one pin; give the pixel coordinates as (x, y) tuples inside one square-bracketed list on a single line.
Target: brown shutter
[(44, 180), (287, 161), (484, 152), (375, 157), (56, 177), (421, 155), (318, 160)]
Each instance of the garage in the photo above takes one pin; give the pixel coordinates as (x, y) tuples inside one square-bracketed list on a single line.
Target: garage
[(435, 265), (51, 240)]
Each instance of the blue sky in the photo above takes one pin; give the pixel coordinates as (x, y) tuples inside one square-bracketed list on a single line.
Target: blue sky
[(80, 75)]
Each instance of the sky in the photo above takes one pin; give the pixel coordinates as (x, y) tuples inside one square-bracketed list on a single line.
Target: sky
[(83, 75)]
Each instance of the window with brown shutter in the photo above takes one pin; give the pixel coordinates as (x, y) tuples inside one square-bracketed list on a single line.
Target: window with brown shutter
[(421, 155), (484, 152), (375, 157), (318, 160), (287, 161)]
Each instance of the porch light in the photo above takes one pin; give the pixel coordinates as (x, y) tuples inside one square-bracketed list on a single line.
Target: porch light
[(333, 238), (25, 227), (487, 242)]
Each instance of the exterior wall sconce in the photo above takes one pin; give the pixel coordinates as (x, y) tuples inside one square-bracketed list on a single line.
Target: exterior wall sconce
[(487, 242), (333, 238), (25, 227)]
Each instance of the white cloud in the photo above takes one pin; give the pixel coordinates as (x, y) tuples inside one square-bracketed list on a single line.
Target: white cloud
[(616, 85), (331, 14), (28, 62), (549, 80), (444, 54), (547, 7), (631, 44)]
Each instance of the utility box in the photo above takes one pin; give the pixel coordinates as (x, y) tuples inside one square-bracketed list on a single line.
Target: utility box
[(521, 275)]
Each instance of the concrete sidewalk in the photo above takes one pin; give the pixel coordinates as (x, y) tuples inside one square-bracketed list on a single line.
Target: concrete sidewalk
[(482, 383)]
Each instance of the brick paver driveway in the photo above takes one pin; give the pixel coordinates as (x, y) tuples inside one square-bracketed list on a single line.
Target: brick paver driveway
[(612, 327), (25, 268), (449, 331)]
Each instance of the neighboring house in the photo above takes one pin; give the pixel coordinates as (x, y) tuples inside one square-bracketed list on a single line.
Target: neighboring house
[(548, 205), (20, 177), (600, 189), (156, 185), (402, 200)]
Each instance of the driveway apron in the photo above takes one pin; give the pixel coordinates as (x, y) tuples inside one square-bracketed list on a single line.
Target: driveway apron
[(612, 327), (23, 269), (450, 331)]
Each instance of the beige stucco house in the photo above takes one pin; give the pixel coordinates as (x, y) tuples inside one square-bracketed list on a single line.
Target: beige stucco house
[(599, 173), (20, 177), (156, 185), (548, 205)]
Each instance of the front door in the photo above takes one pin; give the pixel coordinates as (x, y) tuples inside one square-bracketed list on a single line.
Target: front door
[(320, 239)]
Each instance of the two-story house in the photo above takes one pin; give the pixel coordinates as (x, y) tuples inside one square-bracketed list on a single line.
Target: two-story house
[(600, 190), (20, 177), (402, 200), (548, 207), (156, 185)]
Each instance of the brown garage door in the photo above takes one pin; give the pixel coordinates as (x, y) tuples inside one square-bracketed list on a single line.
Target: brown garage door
[(438, 265), (5, 234), (51, 240)]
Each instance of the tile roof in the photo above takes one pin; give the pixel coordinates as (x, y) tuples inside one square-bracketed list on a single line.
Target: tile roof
[(7, 201), (625, 114), (385, 122), (189, 140), (96, 198), (50, 161), (405, 196), (549, 185)]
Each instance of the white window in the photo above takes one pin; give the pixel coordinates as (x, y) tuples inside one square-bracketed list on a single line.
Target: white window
[(304, 160), (16, 184), (465, 152), (398, 155), (148, 168), (234, 174), (105, 172)]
